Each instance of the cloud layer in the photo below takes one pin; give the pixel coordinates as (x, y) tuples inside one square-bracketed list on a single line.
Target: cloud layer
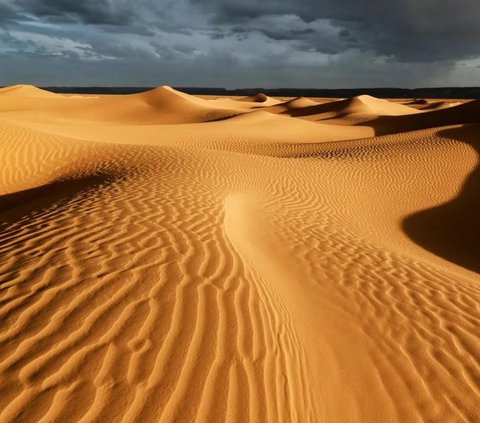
[(235, 43)]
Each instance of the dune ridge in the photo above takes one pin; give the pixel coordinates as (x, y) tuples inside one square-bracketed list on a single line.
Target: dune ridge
[(171, 258)]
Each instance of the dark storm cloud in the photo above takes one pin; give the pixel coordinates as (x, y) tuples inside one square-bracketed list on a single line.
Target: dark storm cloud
[(278, 34), (87, 11), (241, 42), (407, 30), (404, 30), (8, 14)]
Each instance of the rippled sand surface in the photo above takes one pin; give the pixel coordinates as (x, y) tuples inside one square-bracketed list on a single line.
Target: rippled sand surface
[(170, 258)]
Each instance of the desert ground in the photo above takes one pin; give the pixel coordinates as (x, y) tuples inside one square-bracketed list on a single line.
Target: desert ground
[(172, 258)]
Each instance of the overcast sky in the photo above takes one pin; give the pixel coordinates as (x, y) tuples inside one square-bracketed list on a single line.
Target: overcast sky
[(241, 43)]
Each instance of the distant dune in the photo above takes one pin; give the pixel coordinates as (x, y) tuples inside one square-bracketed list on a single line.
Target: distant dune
[(171, 258), (400, 93)]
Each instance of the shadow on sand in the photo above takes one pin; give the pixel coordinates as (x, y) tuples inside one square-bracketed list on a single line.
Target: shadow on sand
[(19, 204), (452, 230)]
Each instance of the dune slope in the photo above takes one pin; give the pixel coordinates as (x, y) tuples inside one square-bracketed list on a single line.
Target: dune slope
[(158, 265)]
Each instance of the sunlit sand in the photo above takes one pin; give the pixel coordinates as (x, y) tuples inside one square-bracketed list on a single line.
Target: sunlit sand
[(166, 257)]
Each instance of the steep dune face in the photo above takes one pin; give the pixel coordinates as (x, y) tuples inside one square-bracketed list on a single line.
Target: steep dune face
[(451, 229), (165, 266), (30, 159), (257, 98), (463, 113)]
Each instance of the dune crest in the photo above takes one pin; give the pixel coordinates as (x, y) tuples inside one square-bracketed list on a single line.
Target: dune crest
[(299, 102), (171, 258), (261, 99), (256, 98), (366, 104), (25, 91)]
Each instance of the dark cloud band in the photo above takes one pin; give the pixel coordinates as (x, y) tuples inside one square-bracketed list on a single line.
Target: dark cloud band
[(331, 41)]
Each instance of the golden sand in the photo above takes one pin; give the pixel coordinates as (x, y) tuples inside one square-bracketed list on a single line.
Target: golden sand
[(170, 258)]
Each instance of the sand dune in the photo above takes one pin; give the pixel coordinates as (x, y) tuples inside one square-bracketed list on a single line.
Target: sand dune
[(261, 98), (299, 102), (435, 105), (417, 102), (432, 104), (350, 111), (461, 114), (18, 91), (170, 258), (370, 105), (162, 105)]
